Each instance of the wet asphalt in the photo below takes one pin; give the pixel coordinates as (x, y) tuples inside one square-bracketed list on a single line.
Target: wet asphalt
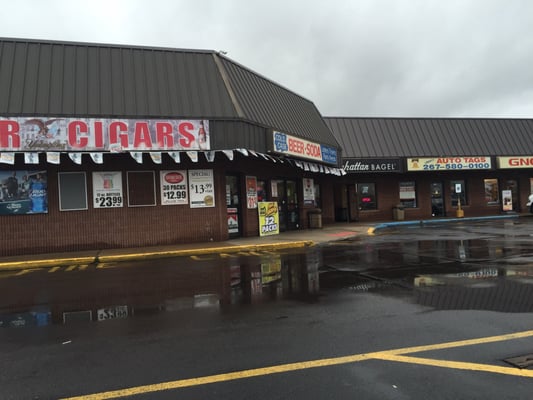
[(73, 330)]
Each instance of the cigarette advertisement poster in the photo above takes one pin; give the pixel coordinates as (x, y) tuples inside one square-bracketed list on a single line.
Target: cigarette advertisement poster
[(309, 191), (23, 192), (251, 191), (174, 188), (268, 218), (107, 189), (201, 188)]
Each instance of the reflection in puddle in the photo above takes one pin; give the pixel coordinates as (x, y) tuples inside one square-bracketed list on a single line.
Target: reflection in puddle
[(478, 274), (42, 297)]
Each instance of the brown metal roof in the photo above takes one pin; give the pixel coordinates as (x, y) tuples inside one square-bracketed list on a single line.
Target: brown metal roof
[(271, 105), (431, 137), (83, 79), (78, 79)]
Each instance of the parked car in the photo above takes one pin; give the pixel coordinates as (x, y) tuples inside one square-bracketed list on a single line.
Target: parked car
[(530, 202)]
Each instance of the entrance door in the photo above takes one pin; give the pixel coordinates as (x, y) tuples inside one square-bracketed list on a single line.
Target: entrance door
[(511, 185), (437, 199), (289, 213), (233, 196)]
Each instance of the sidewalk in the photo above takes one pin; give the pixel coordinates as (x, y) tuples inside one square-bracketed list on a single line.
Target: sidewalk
[(285, 240)]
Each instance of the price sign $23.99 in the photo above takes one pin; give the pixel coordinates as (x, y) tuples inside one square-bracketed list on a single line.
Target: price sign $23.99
[(108, 201)]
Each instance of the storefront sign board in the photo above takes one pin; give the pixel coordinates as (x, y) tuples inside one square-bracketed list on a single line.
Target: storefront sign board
[(294, 146), (515, 162), (98, 134), (449, 163)]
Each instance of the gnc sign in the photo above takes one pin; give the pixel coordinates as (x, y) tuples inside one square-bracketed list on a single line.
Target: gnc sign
[(515, 162)]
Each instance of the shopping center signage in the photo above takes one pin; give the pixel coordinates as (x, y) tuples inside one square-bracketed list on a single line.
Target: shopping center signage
[(295, 146), (97, 134), (449, 163), (364, 165), (515, 162)]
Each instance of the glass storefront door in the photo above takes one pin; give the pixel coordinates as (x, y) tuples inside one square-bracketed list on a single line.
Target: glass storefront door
[(287, 197), (437, 200), (233, 205)]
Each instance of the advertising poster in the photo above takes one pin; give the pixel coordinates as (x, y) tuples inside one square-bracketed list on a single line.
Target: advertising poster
[(268, 218), (507, 196), (174, 187), (23, 192), (201, 188), (251, 191), (233, 220), (309, 192), (107, 189)]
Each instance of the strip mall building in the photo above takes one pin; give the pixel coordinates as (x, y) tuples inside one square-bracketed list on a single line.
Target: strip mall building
[(105, 146), (112, 146), (433, 167)]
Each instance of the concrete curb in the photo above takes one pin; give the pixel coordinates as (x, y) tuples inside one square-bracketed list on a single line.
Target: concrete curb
[(423, 222), (203, 251), (106, 256)]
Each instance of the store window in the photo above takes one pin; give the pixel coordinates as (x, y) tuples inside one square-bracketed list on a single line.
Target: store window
[(492, 193), (408, 194), (458, 192), (141, 188), (318, 202), (261, 191), (72, 191), (366, 196)]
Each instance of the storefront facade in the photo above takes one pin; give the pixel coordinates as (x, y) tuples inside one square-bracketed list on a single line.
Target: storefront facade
[(432, 168), (108, 146)]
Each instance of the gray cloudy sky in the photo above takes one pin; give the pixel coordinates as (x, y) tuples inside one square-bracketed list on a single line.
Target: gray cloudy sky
[(406, 58)]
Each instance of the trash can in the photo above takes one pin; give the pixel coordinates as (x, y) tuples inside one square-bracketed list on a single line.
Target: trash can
[(315, 219), (398, 213)]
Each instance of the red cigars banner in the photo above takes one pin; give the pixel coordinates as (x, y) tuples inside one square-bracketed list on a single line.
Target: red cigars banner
[(96, 134)]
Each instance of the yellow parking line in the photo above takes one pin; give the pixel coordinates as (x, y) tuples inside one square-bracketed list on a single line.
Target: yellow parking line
[(71, 268), (388, 355), (455, 365), (223, 377), (461, 343), (53, 269)]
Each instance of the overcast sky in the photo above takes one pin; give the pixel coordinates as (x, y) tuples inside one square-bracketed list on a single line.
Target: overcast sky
[(405, 58)]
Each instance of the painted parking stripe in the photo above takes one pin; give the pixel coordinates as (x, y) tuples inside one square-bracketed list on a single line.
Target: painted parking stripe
[(455, 365), (396, 355)]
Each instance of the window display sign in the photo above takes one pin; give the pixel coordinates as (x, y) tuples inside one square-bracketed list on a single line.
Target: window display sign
[(23, 192), (309, 191), (97, 134), (174, 187), (201, 188), (107, 189), (251, 191), (507, 196), (268, 218), (448, 163), (233, 220)]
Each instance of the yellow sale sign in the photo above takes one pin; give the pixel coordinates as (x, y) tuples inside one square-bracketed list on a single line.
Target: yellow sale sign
[(268, 218)]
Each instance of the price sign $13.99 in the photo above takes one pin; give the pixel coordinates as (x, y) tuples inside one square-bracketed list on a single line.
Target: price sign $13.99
[(108, 200)]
